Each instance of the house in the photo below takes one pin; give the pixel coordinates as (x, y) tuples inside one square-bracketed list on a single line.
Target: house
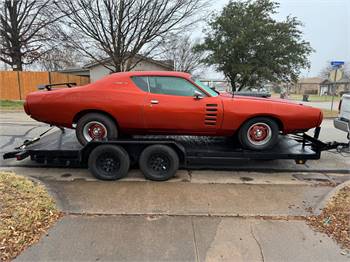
[(96, 71), (76, 71), (327, 87), (309, 85)]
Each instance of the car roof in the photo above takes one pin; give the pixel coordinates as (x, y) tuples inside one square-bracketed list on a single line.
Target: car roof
[(153, 73)]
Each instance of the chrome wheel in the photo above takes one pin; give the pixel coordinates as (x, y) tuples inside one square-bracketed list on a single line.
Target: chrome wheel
[(259, 134), (94, 130)]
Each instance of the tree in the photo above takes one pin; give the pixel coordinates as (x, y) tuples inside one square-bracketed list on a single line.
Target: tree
[(180, 50), (250, 47), (24, 30), (60, 57), (328, 68), (121, 29)]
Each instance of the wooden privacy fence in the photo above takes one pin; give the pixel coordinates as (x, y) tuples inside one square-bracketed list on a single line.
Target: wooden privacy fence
[(16, 85)]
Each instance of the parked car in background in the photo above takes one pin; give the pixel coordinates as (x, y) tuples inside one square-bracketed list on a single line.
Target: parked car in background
[(342, 122), (168, 103)]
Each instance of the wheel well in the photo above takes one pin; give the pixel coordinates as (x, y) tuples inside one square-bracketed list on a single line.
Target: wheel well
[(277, 120), (82, 113)]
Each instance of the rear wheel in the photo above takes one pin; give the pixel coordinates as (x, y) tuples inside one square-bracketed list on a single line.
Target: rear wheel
[(159, 162), (260, 133), (95, 126), (109, 162)]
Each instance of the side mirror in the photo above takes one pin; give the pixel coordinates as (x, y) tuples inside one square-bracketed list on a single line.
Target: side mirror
[(197, 95)]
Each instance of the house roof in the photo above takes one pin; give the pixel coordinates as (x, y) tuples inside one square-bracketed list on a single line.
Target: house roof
[(165, 63), (311, 80), (153, 73), (341, 81), (76, 71)]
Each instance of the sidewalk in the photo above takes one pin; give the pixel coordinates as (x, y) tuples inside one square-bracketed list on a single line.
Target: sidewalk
[(226, 220), (181, 238)]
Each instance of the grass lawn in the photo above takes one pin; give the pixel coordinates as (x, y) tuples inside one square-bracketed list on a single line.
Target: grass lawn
[(26, 212), (314, 98), (11, 104)]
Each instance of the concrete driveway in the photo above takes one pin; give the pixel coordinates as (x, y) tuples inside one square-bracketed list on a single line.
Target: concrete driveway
[(231, 216), (200, 215)]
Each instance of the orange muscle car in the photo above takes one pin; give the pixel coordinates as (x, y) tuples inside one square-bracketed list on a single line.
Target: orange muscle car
[(171, 103)]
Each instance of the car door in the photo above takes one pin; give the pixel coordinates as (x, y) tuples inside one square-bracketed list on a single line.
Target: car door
[(171, 107)]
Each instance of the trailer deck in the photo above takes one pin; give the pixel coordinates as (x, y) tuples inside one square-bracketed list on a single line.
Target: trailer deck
[(62, 148)]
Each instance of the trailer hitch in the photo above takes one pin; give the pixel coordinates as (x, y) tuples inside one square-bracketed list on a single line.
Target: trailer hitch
[(318, 145), (28, 142)]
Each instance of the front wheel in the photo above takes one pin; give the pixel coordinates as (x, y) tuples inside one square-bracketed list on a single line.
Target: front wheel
[(260, 133)]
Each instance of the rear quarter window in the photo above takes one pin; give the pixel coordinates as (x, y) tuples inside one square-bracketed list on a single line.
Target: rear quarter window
[(140, 82)]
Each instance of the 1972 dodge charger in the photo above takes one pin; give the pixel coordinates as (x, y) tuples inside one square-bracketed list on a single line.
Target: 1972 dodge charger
[(171, 103)]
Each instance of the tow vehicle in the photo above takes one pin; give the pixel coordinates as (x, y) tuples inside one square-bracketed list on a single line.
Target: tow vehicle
[(342, 122), (159, 157)]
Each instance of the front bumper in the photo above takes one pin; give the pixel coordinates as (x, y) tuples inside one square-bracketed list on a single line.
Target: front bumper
[(342, 125)]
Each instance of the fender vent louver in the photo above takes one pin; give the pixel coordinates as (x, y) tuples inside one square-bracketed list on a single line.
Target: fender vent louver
[(210, 114)]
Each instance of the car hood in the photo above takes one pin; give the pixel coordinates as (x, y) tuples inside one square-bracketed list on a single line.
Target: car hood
[(269, 100)]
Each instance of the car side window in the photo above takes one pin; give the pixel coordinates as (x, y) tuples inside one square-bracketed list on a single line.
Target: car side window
[(141, 82), (168, 85)]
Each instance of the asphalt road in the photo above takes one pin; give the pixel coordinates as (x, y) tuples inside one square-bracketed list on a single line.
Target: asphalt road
[(323, 105)]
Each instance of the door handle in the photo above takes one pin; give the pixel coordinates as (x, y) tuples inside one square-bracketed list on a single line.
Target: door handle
[(154, 102)]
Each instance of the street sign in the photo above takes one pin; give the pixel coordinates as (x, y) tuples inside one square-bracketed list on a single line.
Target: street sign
[(336, 75), (337, 63)]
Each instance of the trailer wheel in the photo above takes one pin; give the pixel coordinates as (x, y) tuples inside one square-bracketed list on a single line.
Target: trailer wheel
[(109, 162), (159, 162)]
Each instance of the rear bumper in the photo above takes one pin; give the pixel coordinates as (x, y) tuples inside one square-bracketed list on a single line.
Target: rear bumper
[(342, 125), (26, 107)]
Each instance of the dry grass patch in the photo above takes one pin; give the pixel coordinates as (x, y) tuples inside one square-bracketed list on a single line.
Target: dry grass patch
[(327, 113), (335, 218), (26, 212)]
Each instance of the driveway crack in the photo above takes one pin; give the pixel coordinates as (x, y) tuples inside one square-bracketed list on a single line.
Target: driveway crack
[(195, 241), (256, 240)]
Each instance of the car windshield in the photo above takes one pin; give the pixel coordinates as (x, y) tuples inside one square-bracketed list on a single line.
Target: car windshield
[(206, 88)]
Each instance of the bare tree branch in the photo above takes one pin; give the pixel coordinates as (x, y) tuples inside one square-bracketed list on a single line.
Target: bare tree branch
[(123, 29), (179, 49), (24, 30)]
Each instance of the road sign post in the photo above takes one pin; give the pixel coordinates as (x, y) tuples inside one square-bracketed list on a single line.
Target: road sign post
[(334, 88), (336, 65)]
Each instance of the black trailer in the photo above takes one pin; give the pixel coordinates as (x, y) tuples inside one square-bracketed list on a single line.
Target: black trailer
[(159, 157)]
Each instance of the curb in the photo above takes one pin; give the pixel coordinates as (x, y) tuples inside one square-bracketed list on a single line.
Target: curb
[(328, 197)]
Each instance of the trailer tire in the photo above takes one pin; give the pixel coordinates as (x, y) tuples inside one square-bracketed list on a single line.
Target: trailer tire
[(260, 133), (159, 162), (109, 162), (104, 126)]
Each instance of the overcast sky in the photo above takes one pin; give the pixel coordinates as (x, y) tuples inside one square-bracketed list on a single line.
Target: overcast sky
[(326, 27)]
